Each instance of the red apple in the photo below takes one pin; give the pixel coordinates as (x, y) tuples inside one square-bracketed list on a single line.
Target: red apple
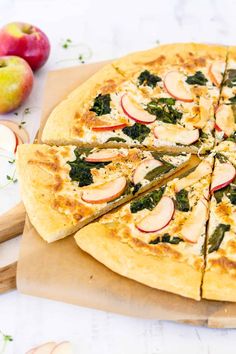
[(16, 82), (134, 112), (159, 217), (223, 175), (105, 192), (175, 85), (25, 41)]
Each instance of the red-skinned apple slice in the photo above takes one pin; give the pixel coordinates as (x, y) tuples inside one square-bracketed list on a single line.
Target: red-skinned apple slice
[(159, 217), (45, 348), (193, 226), (63, 348), (110, 126), (103, 155), (135, 112), (143, 168), (176, 134), (223, 175), (20, 132), (105, 192), (203, 169), (175, 85), (216, 70), (8, 139), (225, 119)]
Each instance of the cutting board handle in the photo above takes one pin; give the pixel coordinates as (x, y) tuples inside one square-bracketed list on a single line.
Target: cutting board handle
[(12, 222), (8, 278)]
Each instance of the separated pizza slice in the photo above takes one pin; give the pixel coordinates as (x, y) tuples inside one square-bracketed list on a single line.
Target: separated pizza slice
[(157, 239), (219, 278), (64, 188), (225, 126)]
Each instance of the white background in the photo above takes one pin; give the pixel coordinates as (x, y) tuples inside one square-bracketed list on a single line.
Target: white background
[(110, 29)]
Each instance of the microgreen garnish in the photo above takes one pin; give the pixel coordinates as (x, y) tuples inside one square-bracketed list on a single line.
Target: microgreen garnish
[(6, 339)]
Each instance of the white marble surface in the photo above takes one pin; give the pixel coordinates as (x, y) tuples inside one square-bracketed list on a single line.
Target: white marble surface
[(110, 29)]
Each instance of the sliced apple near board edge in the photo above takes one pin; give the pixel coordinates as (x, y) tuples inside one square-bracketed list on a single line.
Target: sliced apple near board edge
[(104, 192), (159, 217), (63, 348), (19, 131), (225, 120), (223, 175), (143, 168), (176, 134), (175, 85), (135, 111)]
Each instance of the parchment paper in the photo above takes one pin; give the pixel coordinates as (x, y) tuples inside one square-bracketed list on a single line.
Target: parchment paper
[(61, 271)]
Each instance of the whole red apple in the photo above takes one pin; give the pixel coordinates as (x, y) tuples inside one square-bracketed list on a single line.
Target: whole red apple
[(25, 41), (16, 82)]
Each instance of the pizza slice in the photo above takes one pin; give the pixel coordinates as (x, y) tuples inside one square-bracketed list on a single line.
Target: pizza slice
[(219, 278), (157, 239), (226, 112), (64, 188), (171, 107)]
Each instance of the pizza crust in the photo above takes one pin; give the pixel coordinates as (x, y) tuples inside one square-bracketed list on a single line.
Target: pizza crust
[(156, 271), (219, 286)]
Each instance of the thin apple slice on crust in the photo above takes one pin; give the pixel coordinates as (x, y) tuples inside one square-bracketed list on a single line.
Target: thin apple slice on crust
[(225, 119), (175, 85), (103, 155), (223, 175), (216, 72), (176, 134), (143, 168), (136, 112)]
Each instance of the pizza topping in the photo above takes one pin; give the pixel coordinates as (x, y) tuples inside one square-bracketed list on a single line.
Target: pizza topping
[(164, 111), (216, 72), (137, 132), (202, 170), (101, 105), (148, 201), (104, 192), (197, 79), (230, 78), (135, 112), (182, 201), (217, 237), (112, 125), (229, 191), (148, 79), (233, 99), (223, 175), (176, 134), (103, 155), (206, 112), (166, 238), (225, 120), (193, 226), (174, 84), (159, 217), (116, 139), (144, 168)]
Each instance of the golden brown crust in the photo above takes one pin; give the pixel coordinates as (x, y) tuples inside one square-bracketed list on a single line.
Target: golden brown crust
[(157, 271)]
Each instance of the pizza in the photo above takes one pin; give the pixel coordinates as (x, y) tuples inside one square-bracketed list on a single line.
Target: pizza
[(225, 116), (219, 278), (64, 188), (158, 238), (162, 99)]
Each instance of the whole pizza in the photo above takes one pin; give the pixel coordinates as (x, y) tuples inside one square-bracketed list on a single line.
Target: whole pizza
[(108, 149)]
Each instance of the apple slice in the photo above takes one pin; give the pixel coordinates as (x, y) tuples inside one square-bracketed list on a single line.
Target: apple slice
[(216, 71), (8, 139), (159, 217), (193, 226), (176, 134), (63, 348), (103, 155), (20, 132), (175, 85), (135, 112), (45, 348), (206, 112), (225, 119), (111, 126), (105, 192), (223, 174), (203, 169), (143, 168)]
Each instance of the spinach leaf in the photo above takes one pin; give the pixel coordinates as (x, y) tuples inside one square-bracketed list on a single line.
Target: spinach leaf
[(217, 237), (148, 201), (146, 78), (101, 105), (233, 99), (132, 188), (182, 202), (229, 191), (197, 79), (202, 138), (222, 158), (166, 238), (164, 111), (81, 169), (230, 78), (137, 132), (164, 168), (116, 138)]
